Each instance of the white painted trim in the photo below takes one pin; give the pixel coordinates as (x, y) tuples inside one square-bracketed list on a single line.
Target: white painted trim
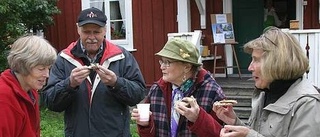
[(201, 4), (227, 8), (85, 4), (184, 17), (299, 12)]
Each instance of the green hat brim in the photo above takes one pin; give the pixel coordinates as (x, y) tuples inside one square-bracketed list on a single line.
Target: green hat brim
[(167, 53)]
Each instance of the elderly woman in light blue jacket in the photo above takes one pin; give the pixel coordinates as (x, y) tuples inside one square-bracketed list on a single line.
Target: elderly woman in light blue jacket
[(284, 103)]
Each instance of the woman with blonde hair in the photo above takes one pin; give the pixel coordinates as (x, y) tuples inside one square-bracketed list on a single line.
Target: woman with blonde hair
[(284, 103), (29, 59)]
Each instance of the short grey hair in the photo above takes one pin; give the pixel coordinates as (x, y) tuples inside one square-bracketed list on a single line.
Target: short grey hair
[(30, 51)]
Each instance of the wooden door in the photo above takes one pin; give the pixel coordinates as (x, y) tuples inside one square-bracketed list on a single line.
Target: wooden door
[(248, 24)]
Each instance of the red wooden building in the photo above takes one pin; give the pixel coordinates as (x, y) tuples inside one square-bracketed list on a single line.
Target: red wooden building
[(152, 20)]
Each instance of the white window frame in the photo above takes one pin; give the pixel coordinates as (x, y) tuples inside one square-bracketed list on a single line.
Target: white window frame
[(127, 43)]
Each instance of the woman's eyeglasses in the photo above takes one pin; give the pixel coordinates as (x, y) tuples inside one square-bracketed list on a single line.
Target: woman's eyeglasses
[(166, 63), (264, 36), (270, 28)]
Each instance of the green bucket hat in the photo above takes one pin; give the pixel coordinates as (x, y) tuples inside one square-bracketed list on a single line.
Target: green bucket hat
[(180, 49)]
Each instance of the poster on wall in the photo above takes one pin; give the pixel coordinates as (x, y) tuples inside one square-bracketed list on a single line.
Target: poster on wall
[(222, 28)]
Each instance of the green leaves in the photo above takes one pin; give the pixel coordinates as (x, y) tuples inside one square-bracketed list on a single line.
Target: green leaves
[(38, 13), (18, 17)]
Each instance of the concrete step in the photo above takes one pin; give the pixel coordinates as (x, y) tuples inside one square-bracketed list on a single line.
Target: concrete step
[(242, 112), (236, 86), (243, 101), (237, 91), (240, 90)]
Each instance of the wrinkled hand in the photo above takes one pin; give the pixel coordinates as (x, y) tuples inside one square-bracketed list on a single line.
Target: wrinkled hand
[(135, 116), (234, 131), (78, 75), (107, 76), (190, 112), (225, 113)]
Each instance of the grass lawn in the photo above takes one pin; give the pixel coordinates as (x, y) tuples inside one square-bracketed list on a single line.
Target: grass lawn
[(52, 124)]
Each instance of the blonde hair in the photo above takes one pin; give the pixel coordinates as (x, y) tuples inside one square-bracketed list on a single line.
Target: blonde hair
[(283, 57), (28, 52)]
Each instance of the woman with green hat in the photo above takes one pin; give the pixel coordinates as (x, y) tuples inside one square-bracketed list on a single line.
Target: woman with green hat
[(181, 100)]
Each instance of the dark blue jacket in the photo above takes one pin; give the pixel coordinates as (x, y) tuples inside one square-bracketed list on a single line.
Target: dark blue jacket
[(106, 112)]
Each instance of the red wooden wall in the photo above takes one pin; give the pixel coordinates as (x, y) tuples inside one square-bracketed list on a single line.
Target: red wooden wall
[(64, 30), (152, 20), (311, 15)]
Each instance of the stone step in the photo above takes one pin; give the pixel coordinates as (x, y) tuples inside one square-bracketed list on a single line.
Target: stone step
[(236, 87), (240, 90), (243, 101), (242, 112), (237, 91)]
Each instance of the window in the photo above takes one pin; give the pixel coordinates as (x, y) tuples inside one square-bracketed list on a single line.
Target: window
[(119, 23)]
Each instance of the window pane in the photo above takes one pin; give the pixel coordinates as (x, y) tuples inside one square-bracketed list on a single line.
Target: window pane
[(117, 19), (115, 11), (117, 30), (99, 4)]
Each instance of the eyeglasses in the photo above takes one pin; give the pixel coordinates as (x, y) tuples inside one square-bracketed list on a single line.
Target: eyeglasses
[(270, 28), (269, 40), (166, 63)]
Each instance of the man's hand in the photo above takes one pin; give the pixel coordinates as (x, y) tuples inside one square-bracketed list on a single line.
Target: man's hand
[(107, 76), (78, 75)]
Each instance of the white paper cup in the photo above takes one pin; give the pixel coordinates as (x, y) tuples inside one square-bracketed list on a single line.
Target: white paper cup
[(143, 110)]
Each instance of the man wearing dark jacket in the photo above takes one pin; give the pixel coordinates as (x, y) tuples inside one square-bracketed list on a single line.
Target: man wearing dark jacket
[(94, 82)]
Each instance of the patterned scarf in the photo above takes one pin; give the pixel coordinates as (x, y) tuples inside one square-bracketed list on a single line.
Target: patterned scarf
[(178, 94)]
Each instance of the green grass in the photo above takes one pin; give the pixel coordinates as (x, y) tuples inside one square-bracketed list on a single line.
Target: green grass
[(52, 124), (133, 129)]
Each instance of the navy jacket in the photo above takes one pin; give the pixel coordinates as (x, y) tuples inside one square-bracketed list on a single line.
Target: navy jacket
[(94, 109)]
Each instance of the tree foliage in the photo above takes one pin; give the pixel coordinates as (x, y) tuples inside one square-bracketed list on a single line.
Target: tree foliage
[(37, 14), (18, 17)]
